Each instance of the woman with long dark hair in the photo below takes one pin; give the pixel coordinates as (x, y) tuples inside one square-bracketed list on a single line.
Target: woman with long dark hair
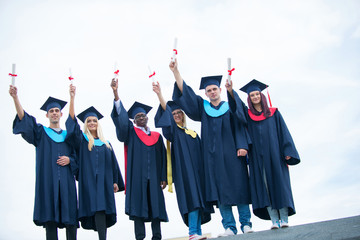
[(272, 151)]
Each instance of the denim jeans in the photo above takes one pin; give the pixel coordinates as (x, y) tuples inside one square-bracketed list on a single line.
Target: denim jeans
[(228, 220), (194, 222)]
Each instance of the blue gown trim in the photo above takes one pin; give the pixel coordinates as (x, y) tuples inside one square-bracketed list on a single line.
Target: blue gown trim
[(97, 142), (212, 112), (56, 137)]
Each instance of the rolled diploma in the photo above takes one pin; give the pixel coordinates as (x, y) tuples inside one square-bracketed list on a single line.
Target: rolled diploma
[(71, 81), (151, 73), (174, 53), (115, 69), (13, 72), (229, 68)]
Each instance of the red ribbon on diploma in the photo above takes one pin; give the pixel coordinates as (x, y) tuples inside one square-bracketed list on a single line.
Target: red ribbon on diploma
[(71, 78), (175, 51), (230, 71), (152, 75), (13, 75), (116, 72)]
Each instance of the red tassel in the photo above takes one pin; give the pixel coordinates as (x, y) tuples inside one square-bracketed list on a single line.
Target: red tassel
[(267, 89)]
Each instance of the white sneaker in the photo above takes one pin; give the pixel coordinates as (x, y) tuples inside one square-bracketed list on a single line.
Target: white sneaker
[(275, 225), (284, 224), (197, 237), (247, 229), (228, 232)]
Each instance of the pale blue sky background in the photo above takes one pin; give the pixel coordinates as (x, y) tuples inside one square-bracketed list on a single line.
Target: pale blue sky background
[(307, 51)]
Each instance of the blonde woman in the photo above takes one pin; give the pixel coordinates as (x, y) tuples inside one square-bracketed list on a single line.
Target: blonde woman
[(187, 165), (99, 175)]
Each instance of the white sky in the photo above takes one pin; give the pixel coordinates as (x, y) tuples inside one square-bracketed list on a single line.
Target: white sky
[(307, 51)]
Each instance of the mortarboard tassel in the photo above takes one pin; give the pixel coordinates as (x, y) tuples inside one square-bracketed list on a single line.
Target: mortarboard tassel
[(267, 89)]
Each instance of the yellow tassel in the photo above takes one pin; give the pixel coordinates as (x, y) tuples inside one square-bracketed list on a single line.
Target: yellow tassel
[(169, 168)]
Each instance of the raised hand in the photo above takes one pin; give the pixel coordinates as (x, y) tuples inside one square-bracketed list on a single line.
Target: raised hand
[(13, 91), (173, 66), (72, 90), (156, 88)]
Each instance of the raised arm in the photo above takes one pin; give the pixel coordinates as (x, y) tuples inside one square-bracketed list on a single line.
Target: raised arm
[(229, 88), (72, 92), (115, 85), (174, 68), (157, 90), (18, 107)]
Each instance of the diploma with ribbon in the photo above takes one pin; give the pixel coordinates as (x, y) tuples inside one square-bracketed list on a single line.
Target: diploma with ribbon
[(230, 70), (116, 72), (70, 77), (174, 51), (13, 75), (152, 75)]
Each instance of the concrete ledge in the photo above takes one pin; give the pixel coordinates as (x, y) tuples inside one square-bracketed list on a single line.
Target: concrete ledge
[(345, 228)]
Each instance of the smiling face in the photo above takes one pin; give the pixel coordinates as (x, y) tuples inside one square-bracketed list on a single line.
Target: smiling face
[(178, 116), (213, 92), (54, 115), (141, 119), (255, 97), (92, 123)]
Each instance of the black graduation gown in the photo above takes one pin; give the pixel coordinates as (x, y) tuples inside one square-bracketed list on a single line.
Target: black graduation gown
[(146, 165), (271, 142), (53, 182), (98, 171), (187, 166), (226, 175)]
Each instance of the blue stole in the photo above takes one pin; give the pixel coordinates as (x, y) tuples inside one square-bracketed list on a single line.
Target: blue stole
[(212, 112), (97, 142), (56, 137)]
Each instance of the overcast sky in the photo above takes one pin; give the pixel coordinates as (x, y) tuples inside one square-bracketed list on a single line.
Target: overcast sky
[(306, 50)]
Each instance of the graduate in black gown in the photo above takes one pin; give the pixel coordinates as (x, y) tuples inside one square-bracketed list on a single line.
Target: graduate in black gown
[(55, 190), (272, 151), (99, 175), (145, 175), (187, 165), (224, 144)]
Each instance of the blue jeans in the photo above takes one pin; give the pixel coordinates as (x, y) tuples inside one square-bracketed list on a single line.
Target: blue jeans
[(228, 220), (194, 222)]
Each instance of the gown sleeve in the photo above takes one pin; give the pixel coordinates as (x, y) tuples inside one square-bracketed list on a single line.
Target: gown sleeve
[(163, 161), (74, 134), (286, 142), (191, 103), (73, 138), (117, 177), (28, 128), (122, 123), (165, 120), (237, 107)]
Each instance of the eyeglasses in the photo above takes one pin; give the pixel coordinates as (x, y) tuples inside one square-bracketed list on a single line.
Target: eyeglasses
[(140, 116), (177, 113)]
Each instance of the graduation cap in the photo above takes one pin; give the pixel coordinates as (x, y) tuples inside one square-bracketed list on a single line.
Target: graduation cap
[(53, 103), (253, 85), (90, 112), (137, 108), (210, 80), (173, 105)]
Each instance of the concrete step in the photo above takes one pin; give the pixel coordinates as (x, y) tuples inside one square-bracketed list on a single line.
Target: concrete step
[(344, 228)]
